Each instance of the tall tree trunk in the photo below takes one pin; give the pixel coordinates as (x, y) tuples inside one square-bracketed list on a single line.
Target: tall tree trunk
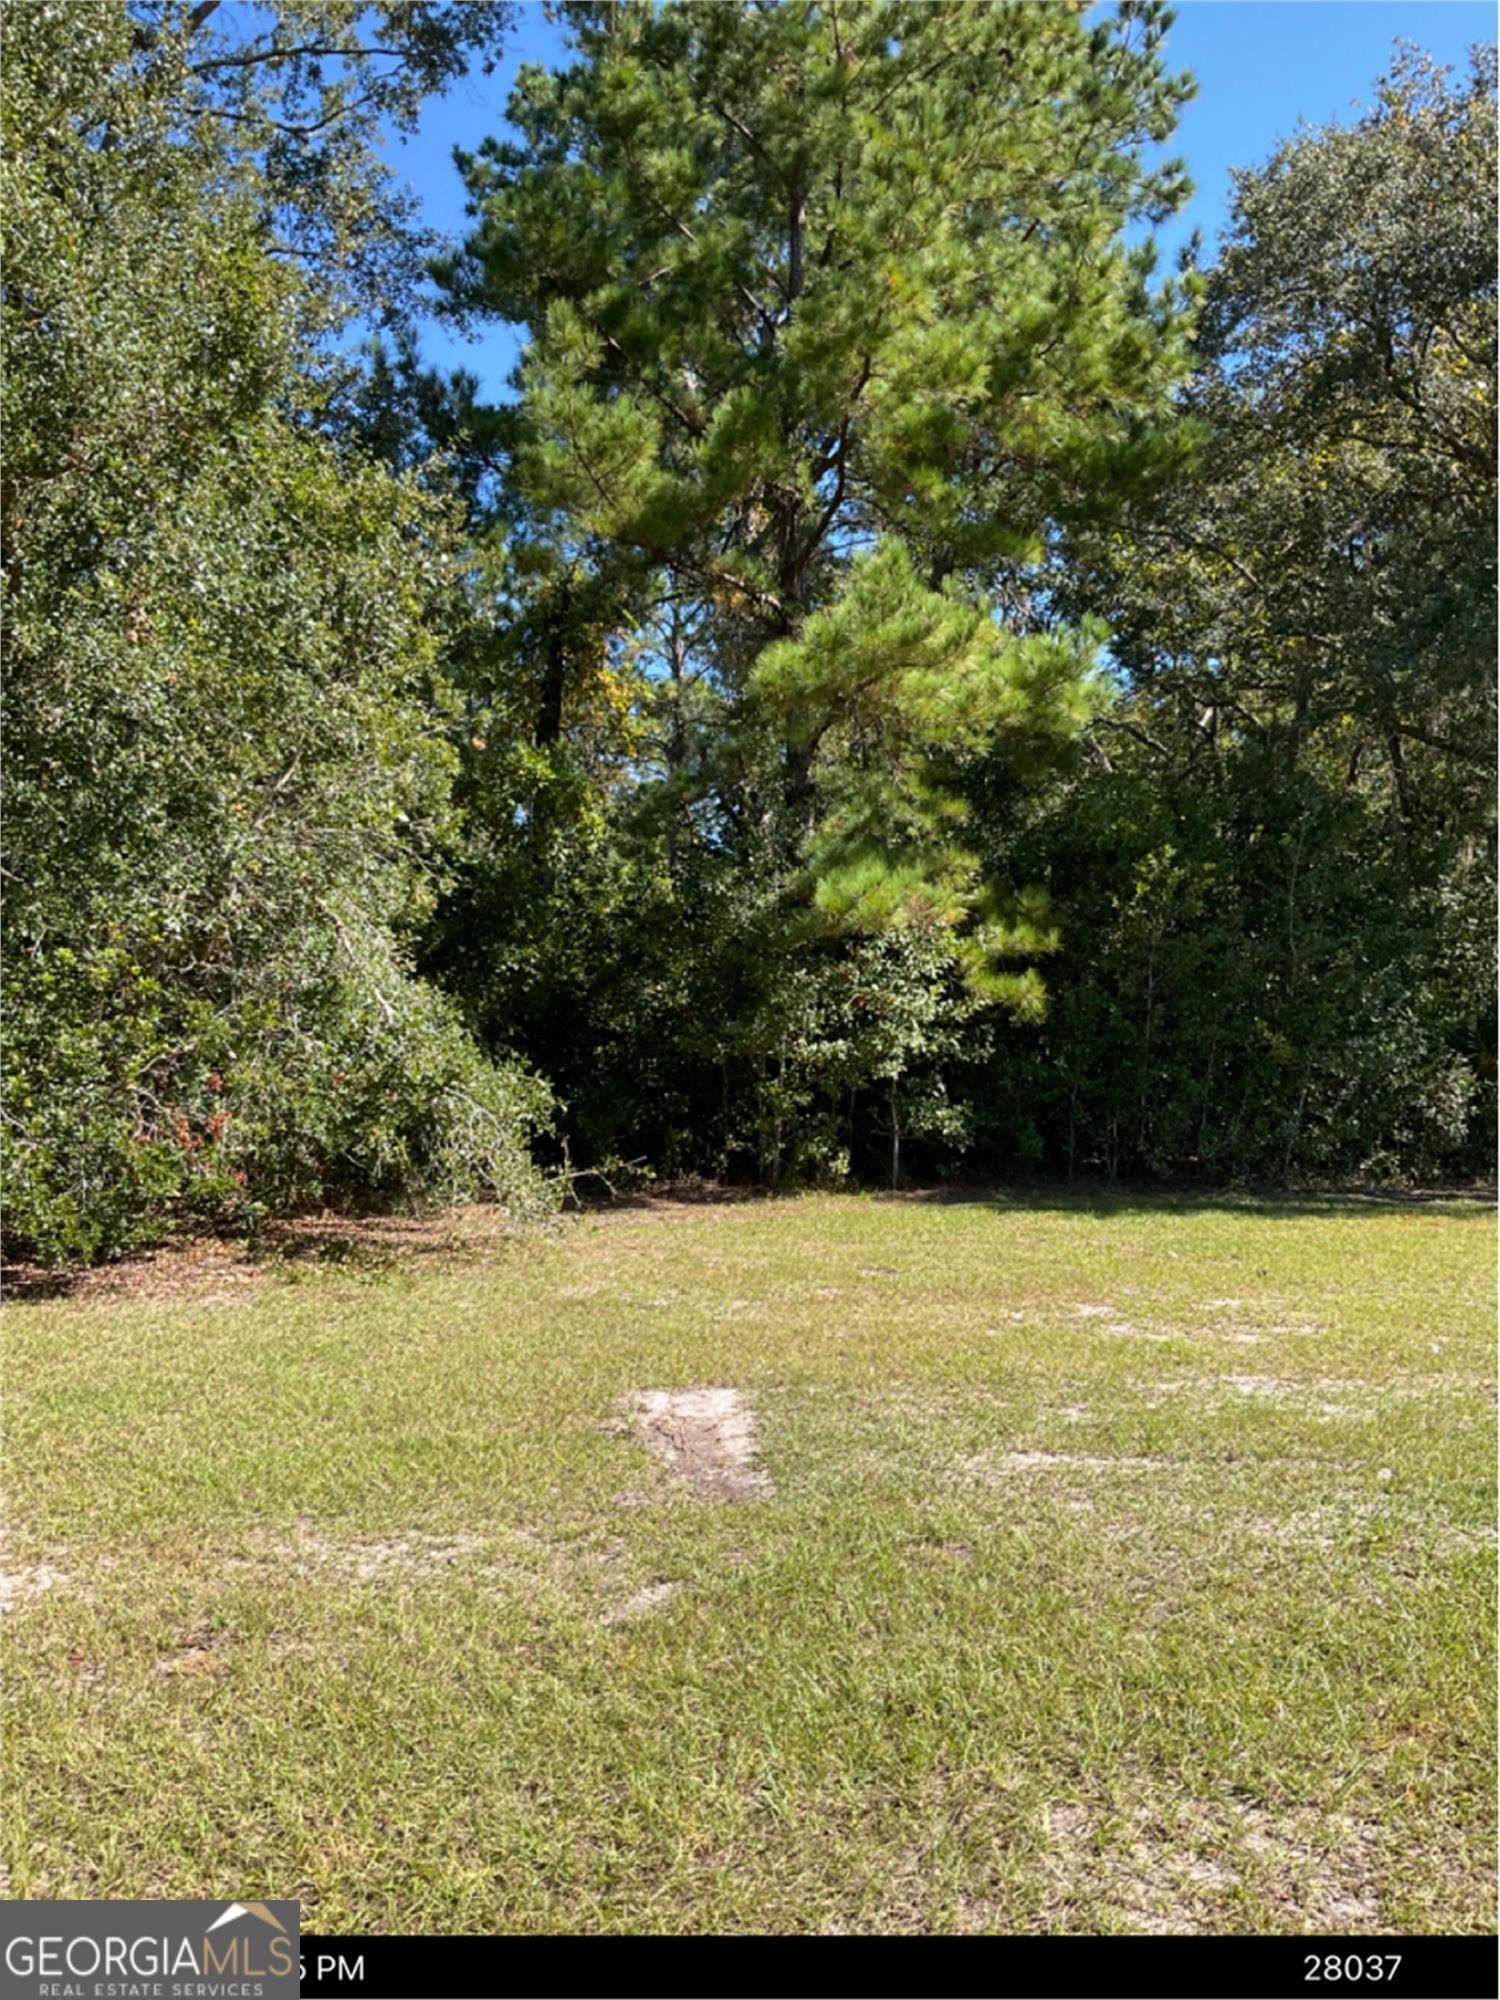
[(549, 707), (677, 734)]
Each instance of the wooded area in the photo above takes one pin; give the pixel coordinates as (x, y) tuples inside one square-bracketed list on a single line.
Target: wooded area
[(895, 688)]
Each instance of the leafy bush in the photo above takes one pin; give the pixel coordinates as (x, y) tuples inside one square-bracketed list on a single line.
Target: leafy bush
[(227, 780)]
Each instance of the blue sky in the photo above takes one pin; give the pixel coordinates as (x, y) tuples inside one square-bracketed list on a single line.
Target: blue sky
[(1262, 66)]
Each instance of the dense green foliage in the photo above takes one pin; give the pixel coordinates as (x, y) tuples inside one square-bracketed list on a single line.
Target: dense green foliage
[(226, 782), (825, 342), (893, 689), (787, 449), (1281, 869)]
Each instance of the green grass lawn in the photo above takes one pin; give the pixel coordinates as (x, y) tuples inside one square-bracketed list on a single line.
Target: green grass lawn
[(1125, 1565)]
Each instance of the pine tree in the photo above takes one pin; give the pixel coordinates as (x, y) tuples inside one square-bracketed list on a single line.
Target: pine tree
[(833, 321)]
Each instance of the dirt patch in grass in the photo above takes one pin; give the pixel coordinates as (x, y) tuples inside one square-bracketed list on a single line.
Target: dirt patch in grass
[(223, 1270), (642, 1603), (205, 1272), (382, 1241), (943, 1554), (20, 1586), (1174, 1866), (1316, 1395), (988, 1465), (1183, 1867), (708, 1437), (411, 1556), (195, 1656), (1324, 1528)]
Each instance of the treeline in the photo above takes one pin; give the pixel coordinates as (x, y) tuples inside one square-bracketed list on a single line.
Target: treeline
[(892, 688)]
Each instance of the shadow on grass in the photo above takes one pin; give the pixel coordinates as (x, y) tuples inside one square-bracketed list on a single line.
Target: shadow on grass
[(1076, 1197), (373, 1244), (195, 1267), (364, 1242), (1123, 1197), (592, 1198)]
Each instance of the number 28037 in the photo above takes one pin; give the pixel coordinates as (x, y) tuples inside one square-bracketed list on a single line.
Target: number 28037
[(1349, 1969)]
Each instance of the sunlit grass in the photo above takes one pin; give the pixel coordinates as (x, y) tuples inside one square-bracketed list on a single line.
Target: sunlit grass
[(1129, 1566)]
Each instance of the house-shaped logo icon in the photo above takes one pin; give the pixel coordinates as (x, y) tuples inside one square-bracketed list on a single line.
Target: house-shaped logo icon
[(238, 1910)]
